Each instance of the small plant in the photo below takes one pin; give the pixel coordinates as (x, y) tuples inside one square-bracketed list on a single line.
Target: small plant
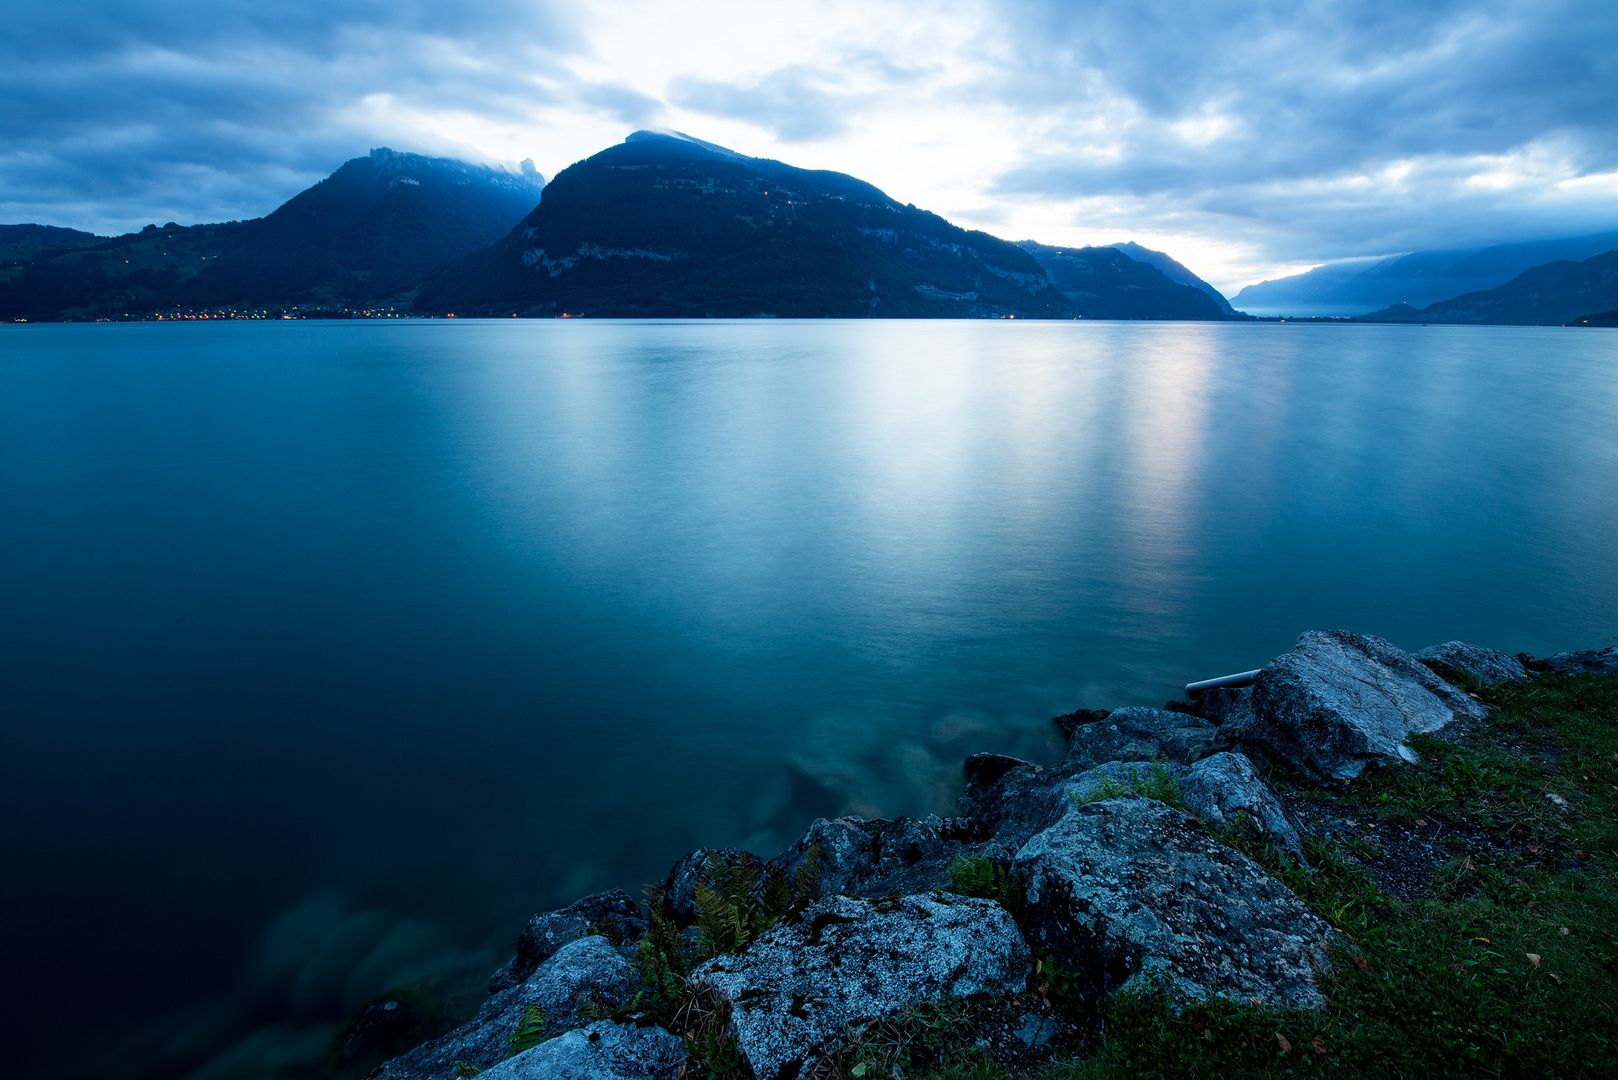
[(983, 877), (738, 901), (465, 1069), (530, 1030), (1156, 781)]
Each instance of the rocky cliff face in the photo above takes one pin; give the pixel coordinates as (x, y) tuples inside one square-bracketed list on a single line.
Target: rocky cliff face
[(1108, 870)]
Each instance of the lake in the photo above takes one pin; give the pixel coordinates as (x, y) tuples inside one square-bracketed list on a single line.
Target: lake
[(331, 651)]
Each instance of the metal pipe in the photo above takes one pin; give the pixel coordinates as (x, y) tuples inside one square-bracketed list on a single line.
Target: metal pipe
[(1244, 679)]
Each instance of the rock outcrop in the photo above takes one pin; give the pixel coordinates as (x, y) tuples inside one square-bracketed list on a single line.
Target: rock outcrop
[(1589, 662), (1218, 788), (601, 1051), (613, 914), (1341, 701), (1104, 876), (588, 969), (845, 961), (1458, 662), (1131, 888), (1142, 734)]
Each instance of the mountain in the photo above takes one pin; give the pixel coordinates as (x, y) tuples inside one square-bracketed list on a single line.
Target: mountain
[(1104, 283), (1356, 286), (373, 225), (1174, 271), (666, 225), (38, 236), (1551, 295)]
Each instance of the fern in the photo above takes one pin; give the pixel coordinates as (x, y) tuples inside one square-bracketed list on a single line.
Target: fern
[(806, 882), (736, 902), (985, 878), (530, 1030)]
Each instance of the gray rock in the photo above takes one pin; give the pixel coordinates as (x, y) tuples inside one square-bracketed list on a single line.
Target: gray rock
[(847, 961), (1068, 723), (1340, 701), (548, 931), (1141, 734), (1217, 788), (1008, 805), (1131, 888), (602, 1051), (587, 969), (1589, 662), (883, 856), (1458, 662)]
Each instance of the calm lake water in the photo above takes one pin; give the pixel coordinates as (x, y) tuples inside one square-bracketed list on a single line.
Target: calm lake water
[(329, 652)]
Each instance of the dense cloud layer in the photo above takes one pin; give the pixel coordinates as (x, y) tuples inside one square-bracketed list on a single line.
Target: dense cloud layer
[(1267, 132)]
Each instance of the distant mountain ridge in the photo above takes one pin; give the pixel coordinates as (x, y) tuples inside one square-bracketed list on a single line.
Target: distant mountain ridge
[(1105, 283), (1556, 294), (373, 225), (1416, 279), (1173, 270)]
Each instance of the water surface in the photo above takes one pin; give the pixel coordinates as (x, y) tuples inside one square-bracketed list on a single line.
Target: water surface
[(328, 652)]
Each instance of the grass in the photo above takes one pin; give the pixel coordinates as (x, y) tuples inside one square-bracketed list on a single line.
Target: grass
[(1153, 780), (1504, 966)]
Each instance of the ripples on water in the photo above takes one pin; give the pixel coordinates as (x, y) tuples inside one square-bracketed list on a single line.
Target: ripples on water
[(331, 651)]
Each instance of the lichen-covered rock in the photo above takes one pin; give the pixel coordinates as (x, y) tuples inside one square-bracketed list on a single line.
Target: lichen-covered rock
[(1127, 888), (613, 912), (1456, 661), (1218, 788), (1589, 662), (846, 961), (587, 969), (1340, 701), (883, 856), (602, 1051), (1010, 804), (1141, 734)]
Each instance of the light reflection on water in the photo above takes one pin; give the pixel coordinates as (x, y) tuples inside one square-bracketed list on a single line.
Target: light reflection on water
[(375, 638)]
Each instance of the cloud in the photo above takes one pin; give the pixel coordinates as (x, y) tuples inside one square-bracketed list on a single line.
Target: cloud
[(796, 103), (1343, 127), (118, 112)]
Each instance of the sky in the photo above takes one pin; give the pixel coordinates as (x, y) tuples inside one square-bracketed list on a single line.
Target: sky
[(1249, 140)]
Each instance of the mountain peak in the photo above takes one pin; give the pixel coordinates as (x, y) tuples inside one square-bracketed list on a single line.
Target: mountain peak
[(652, 134)]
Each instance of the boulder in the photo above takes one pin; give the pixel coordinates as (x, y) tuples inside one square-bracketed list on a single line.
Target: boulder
[(602, 1051), (1340, 701), (1218, 788), (1068, 723), (1458, 662), (612, 913), (1130, 888), (586, 969), (1139, 733), (883, 856), (1589, 662), (846, 961), (1008, 805)]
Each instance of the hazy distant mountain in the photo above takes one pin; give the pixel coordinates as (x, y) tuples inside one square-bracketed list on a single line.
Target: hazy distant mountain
[(1173, 270), (667, 225), (1104, 283), (1555, 294), (373, 225), (1418, 279)]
